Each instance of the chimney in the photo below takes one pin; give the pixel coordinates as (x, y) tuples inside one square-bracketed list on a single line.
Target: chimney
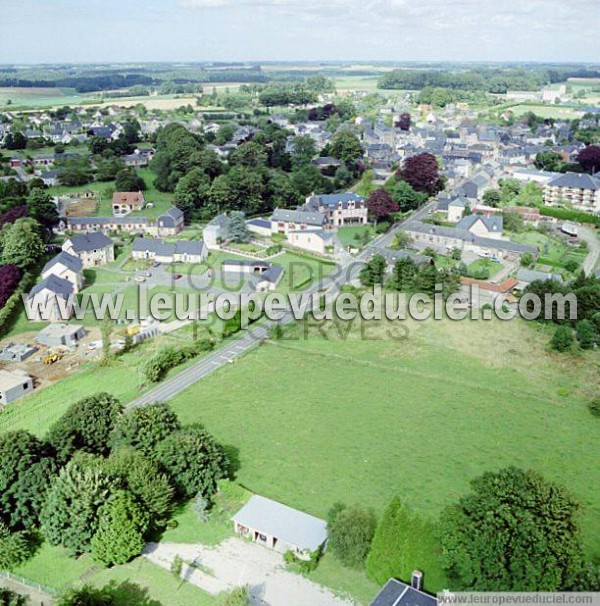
[(416, 580)]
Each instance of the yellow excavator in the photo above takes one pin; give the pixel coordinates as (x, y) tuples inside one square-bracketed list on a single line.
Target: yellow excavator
[(52, 357)]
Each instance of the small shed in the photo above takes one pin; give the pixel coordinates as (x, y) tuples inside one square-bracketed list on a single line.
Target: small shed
[(14, 384), (60, 334), (280, 527)]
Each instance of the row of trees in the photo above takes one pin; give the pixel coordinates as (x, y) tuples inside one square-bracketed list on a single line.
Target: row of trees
[(103, 479), (408, 277), (260, 173), (514, 531)]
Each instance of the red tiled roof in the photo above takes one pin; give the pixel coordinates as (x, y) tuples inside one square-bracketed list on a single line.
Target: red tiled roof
[(505, 286)]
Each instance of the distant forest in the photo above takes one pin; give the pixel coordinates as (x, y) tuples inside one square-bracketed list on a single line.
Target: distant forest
[(465, 78), (490, 80)]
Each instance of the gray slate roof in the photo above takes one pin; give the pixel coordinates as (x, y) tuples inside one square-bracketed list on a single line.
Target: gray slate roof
[(493, 223), (575, 181), (167, 249), (53, 283), (298, 216), (91, 241), (70, 261), (467, 236), (172, 217), (285, 523), (531, 275), (396, 593), (108, 220)]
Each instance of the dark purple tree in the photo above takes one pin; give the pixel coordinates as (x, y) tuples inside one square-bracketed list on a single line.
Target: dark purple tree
[(11, 215), (10, 276), (421, 172), (403, 122), (589, 159), (381, 205)]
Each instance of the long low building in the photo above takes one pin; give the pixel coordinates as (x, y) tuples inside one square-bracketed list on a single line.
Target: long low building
[(181, 251), (280, 527), (169, 223), (452, 237)]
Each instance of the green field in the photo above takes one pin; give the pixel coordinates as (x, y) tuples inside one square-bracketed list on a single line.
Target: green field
[(361, 420), (53, 568)]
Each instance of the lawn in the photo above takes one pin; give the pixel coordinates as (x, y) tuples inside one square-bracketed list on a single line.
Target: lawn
[(481, 266), (361, 420), (53, 568), (123, 379), (355, 235)]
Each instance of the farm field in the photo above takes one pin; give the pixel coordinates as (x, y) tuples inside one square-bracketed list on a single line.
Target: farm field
[(42, 97), (368, 418)]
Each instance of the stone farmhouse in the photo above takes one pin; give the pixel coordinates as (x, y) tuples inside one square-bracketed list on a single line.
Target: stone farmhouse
[(168, 224), (92, 249), (476, 235)]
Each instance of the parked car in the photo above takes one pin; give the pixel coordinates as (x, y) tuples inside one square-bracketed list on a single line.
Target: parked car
[(140, 279), (147, 274), (177, 276), (156, 264)]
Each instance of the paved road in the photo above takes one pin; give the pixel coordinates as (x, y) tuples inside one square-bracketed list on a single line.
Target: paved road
[(248, 339), (591, 261)]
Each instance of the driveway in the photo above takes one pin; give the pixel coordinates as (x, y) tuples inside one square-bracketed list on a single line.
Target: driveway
[(236, 562), (591, 261)]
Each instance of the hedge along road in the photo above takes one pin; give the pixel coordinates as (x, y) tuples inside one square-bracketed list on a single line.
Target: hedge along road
[(245, 340)]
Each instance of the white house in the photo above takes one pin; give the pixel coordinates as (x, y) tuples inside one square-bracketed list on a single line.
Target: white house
[(50, 300), (66, 266), (216, 232), (284, 220), (320, 241)]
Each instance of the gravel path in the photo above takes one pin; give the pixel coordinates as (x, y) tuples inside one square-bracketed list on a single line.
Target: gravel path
[(235, 562)]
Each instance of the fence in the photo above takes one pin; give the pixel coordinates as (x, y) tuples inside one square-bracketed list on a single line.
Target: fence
[(9, 576)]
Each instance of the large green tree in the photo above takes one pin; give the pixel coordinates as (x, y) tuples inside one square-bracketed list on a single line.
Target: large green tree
[(193, 460), (191, 194), (515, 531), (351, 531), (404, 542), (27, 466), (71, 511), (144, 427), (122, 524), (21, 243), (87, 425), (42, 208)]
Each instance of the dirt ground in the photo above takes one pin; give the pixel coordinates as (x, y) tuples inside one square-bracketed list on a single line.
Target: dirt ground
[(45, 374), (236, 562)]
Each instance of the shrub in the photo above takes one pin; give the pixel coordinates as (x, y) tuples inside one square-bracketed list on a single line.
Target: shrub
[(15, 548), (403, 542), (240, 596), (350, 535), (201, 508), (169, 357), (570, 215), (594, 407), (527, 260), (562, 340), (586, 334)]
